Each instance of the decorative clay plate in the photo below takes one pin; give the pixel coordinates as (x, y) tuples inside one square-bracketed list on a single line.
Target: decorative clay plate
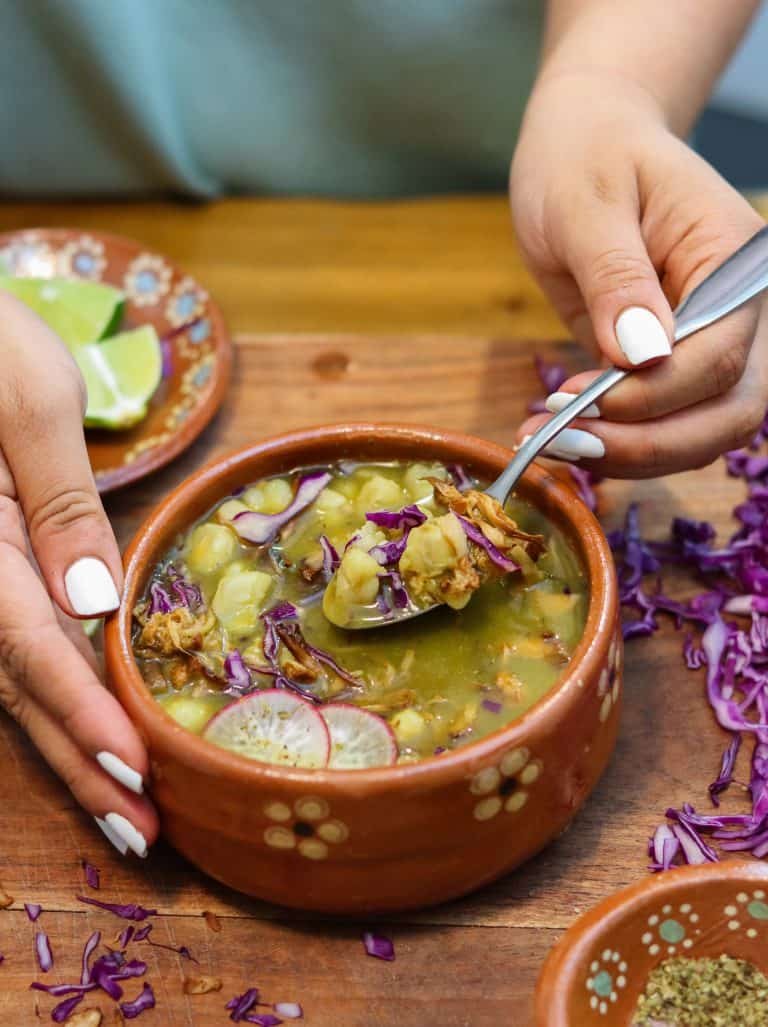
[(197, 352)]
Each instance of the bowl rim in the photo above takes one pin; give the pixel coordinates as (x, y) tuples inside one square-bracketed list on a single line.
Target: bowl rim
[(564, 960), (585, 664)]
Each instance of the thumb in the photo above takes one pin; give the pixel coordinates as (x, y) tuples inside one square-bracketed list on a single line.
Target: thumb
[(606, 254)]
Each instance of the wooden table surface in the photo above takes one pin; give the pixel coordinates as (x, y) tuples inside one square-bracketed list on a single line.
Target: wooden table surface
[(416, 311)]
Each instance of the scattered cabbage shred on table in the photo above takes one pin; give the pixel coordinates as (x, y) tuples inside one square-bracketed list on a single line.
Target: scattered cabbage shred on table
[(731, 611), (105, 973)]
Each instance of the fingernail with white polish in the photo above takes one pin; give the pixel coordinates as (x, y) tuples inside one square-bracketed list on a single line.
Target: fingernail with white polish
[(117, 841), (558, 400), (90, 588), (641, 335), (130, 835), (572, 444), (120, 771)]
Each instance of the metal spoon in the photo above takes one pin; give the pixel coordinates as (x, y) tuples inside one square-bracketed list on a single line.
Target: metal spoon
[(736, 281)]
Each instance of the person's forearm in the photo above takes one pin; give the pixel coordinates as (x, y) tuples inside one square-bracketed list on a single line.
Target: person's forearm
[(672, 49)]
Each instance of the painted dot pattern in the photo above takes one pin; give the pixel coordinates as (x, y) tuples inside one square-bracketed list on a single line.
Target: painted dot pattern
[(607, 977), (670, 929), (307, 827), (504, 787)]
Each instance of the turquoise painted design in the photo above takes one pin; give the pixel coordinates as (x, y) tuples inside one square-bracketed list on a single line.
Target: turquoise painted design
[(202, 375), (186, 304), (146, 281), (672, 931), (199, 331), (603, 984), (84, 263), (607, 977), (758, 910)]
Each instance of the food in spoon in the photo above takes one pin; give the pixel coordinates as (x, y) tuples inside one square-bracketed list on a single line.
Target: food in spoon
[(233, 639)]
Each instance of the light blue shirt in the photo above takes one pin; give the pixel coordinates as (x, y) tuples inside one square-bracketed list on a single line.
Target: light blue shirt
[(205, 97)]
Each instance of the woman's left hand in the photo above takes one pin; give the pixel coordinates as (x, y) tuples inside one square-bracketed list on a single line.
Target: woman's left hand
[(618, 220)]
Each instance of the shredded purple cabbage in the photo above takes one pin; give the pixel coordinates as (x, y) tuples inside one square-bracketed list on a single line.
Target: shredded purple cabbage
[(159, 600), (143, 932), (240, 1005), (732, 612), (146, 1000), (128, 911), (43, 950), (461, 479), (91, 875), (474, 534), (184, 593), (663, 847), (378, 946), (491, 705), (180, 950), (237, 674), (331, 559), (88, 949), (398, 520), (725, 777), (393, 595), (33, 910), (57, 990), (260, 528), (64, 1010), (263, 1019), (281, 622)]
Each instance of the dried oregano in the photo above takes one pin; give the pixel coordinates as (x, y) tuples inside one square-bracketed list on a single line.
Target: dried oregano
[(723, 992)]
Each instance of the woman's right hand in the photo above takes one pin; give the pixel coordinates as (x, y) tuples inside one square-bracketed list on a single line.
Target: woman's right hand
[(51, 519)]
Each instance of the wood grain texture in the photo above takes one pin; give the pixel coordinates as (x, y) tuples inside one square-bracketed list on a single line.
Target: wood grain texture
[(398, 312)]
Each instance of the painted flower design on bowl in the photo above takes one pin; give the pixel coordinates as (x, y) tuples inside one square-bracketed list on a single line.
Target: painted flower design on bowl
[(307, 827), (504, 787), (609, 682), (607, 978)]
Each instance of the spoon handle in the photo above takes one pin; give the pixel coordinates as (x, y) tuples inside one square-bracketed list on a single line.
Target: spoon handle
[(736, 281)]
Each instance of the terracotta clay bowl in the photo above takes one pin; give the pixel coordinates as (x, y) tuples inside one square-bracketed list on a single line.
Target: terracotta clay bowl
[(598, 970), (197, 352), (391, 838)]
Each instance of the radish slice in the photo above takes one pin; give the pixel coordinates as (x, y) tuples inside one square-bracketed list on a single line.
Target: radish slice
[(359, 739), (274, 726)]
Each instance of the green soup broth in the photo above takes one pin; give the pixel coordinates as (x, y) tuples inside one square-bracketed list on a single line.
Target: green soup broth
[(441, 681)]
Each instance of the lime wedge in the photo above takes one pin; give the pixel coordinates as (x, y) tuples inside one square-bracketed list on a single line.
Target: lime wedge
[(121, 375), (78, 311)]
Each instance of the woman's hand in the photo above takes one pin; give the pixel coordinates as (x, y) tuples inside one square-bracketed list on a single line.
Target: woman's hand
[(51, 517), (619, 220)]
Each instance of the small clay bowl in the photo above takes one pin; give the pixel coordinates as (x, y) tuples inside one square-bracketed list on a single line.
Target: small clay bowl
[(391, 838), (598, 970)]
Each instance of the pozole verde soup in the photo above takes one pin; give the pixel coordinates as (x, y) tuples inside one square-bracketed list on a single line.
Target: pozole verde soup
[(234, 635)]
